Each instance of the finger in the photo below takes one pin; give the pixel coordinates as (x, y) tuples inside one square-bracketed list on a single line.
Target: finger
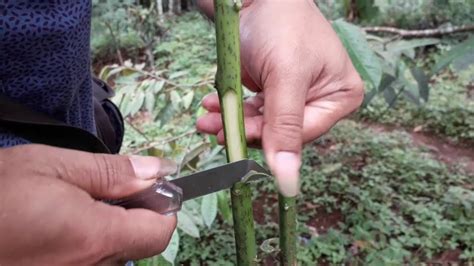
[(248, 81), (253, 131), (321, 116), (211, 103), (102, 175), (324, 111), (207, 7), (282, 135), (134, 234), (210, 123)]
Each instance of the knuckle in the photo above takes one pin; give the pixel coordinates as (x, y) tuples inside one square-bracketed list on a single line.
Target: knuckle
[(355, 89), (288, 128), (106, 175)]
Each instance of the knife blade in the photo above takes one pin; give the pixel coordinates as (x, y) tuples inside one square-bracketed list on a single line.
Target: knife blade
[(166, 197)]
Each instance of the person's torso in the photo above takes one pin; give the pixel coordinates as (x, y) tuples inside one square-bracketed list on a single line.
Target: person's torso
[(45, 60)]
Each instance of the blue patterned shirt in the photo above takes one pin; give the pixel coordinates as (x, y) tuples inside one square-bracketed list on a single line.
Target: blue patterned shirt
[(45, 60)]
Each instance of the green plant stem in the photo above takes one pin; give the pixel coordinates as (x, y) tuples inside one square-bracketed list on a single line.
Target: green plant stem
[(229, 87), (287, 213)]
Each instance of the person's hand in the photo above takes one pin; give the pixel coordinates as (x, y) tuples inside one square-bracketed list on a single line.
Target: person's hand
[(50, 215), (304, 78)]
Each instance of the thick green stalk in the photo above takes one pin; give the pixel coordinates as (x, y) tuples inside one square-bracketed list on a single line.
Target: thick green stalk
[(229, 87), (288, 234)]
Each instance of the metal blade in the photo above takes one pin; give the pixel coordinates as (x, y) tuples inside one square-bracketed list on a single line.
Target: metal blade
[(219, 178)]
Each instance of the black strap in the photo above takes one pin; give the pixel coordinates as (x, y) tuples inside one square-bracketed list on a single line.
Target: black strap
[(42, 129), (108, 118)]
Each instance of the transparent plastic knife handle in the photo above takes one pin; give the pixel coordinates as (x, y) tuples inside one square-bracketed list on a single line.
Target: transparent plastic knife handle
[(163, 197)]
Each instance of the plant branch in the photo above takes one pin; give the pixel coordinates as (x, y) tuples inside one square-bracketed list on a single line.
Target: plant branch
[(161, 142), (420, 33), (288, 240), (229, 87), (116, 42)]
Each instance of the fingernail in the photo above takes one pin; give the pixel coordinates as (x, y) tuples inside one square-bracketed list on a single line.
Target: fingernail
[(287, 171), (147, 167)]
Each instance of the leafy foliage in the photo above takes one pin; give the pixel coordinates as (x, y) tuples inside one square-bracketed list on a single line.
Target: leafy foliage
[(455, 54), (362, 56), (449, 112), (402, 13), (391, 203), (388, 66)]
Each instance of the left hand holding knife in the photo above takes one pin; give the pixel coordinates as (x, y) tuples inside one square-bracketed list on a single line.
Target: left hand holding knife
[(166, 197)]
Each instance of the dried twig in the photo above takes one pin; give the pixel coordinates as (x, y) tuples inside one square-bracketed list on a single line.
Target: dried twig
[(420, 33), (161, 142)]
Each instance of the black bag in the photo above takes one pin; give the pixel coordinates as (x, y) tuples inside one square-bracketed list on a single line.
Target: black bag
[(41, 129)]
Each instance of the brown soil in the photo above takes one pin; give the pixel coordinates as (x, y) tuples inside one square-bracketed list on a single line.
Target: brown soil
[(325, 221), (443, 149), (448, 257)]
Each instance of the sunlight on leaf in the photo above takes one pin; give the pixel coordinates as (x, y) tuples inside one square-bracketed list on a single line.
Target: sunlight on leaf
[(187, 225), (209, 209), (363, 58)]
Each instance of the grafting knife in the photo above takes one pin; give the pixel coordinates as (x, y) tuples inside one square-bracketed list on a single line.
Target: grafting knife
[(167, 197)]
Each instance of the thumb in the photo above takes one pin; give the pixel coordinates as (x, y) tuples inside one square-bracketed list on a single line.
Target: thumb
[(103, 175), (282, 136)]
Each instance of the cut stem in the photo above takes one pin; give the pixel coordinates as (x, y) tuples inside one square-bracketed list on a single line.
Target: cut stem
[(288, 241), (229, 87)]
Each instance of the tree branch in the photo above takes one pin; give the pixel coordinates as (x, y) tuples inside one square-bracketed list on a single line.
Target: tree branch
[(420, 33)]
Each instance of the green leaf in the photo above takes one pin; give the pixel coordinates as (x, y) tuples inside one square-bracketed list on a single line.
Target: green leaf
[(363, 58), (456, 52), (137, 103), (175, 100), (171, 251), (209, 209), (387, 80), (194, 153), (193, 209), (178, 74), (390, 96), (157, 86), (188, 99), (150, 101), (367, 9), (201, 111), (463, 63), (223, 202), (166, 114), (422, 80), (153, 261), (369, 96), (126, 105), (186, 224), (402, 45)]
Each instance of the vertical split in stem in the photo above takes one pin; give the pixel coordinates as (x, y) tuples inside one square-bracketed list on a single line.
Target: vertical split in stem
[(229, 87)]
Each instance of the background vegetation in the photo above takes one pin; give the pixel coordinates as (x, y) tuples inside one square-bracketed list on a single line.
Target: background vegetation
[(392, 185)]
